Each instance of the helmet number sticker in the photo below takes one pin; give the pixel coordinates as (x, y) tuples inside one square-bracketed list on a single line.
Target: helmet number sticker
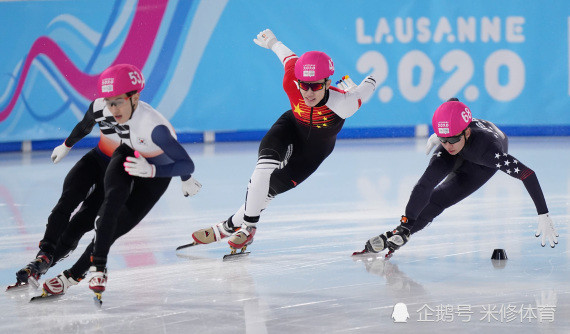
[(466, 114), (135, 78)]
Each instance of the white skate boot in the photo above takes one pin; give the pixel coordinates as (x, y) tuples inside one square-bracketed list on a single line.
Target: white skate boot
[(214, 233), (98, 281), (59, 284), (242, 238)]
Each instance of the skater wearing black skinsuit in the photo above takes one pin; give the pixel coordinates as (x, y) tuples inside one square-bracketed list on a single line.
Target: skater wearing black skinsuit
[(298, 142), (82, 185), (471, 152)]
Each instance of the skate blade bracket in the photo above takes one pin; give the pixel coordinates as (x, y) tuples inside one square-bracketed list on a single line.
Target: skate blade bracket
[(44, 297), (235, 256), (97, 299)]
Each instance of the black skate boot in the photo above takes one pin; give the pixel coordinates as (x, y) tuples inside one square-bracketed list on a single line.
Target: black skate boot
[(35, 269)]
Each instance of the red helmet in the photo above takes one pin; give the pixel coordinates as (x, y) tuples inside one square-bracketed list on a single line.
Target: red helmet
[(120, 79), (314, 66), (451, 118)]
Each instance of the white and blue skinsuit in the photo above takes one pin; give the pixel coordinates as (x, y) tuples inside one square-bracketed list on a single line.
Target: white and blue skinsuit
[(129, 198)]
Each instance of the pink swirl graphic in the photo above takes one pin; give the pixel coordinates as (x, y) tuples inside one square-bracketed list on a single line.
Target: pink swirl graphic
[(135, 51)]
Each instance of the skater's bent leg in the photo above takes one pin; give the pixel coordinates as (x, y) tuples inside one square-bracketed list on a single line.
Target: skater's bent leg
[(81, 223), (302, 164), (81, 266), (258, 187), (274, 150), (451, 191), (144, 195), (128, 221), (117, 184), (76, 186)]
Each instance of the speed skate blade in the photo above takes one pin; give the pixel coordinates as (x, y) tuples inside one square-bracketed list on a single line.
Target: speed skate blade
[(364, 251), (194, 243), (42, 298), (19, 287), (229, 257)]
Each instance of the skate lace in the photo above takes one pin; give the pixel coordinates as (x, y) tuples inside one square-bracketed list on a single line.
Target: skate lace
[(226, 229), (247, 231)]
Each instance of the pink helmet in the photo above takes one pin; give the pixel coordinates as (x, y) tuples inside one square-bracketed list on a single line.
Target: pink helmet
[(314, 66), (451, 118), (120, 79)]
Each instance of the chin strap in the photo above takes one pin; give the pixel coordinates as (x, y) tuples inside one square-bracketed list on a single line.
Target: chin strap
[(133, 104)]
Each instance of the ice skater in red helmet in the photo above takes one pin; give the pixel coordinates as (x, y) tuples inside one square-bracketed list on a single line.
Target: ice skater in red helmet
[(468, 153), (83, 185), (298, 142), (144, 156)]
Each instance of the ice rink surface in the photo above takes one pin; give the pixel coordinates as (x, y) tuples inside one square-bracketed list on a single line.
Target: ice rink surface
[(300, 276)]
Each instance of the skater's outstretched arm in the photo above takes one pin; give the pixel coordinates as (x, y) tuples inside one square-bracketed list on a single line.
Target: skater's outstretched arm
[(266, 39), (81, 129)]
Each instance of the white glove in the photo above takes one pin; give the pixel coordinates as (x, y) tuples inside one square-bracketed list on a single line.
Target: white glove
[(365, 89), (369, 79), (191, 187), (546, 228), (138, 166), (265, 39), (59, 153), (432, 142)]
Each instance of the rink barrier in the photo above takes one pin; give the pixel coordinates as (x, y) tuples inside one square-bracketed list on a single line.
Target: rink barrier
[(422, 130)]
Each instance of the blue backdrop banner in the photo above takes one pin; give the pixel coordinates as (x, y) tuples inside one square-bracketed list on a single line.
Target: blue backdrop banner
[(508, 62)]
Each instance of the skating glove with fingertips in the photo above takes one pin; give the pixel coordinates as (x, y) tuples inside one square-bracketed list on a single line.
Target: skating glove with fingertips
[(547, 230), (138, 166), (59, 153), (191, 187), (266, 39)]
